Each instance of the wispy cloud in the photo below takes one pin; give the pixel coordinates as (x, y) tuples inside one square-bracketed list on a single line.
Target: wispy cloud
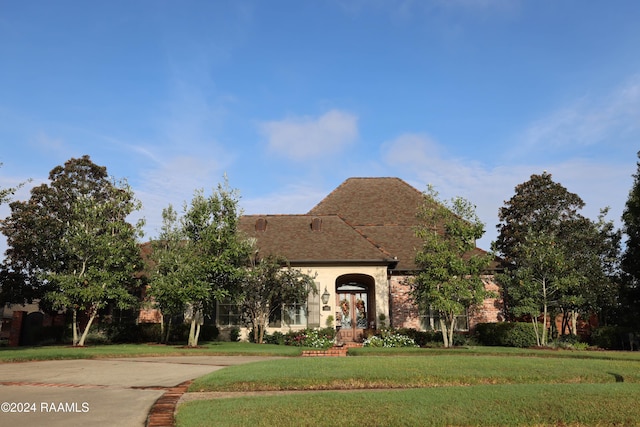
[(292, 199), (421, 160), (586, 122), (300, 138)]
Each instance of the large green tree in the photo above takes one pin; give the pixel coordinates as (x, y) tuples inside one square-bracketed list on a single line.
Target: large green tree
[(631, 256), (169, 265), (542, 274), (72, 246), (450, 269), (559, 261), (199, 257), (270, 285)]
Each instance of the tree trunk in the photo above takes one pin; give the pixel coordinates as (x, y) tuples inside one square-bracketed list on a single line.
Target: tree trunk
[(534, 321), (194, 331), (544, 313), (574, 322), (192, 342), (451, 329), (445, 334), (197, 336), (565, 322), (256, 329), (94, 313), (165, 337), (263, 325), (74, 326)]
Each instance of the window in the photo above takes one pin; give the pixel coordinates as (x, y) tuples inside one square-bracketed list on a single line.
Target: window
[(275, 318), (295, 315), (431, 321), (229, 314), (291, 315)]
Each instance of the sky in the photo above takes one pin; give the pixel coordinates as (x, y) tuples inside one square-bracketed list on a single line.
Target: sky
[(288, 98)]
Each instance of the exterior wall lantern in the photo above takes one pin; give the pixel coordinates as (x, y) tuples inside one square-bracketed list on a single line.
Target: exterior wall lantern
[(325, 296), (325, 300)]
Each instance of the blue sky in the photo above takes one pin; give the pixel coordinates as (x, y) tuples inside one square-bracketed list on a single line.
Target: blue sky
[(290, 98)]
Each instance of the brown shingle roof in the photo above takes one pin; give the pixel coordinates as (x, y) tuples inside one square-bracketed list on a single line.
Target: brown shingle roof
[(363, 219), (372, 201), (383, 209), (291, 236)]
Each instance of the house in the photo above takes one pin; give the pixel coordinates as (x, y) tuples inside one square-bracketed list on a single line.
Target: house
[(359, 243)]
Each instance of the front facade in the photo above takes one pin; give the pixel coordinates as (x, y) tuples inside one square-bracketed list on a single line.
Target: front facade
[(359, 244)]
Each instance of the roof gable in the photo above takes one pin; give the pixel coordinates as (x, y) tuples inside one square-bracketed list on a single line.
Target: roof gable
[(372, 201)]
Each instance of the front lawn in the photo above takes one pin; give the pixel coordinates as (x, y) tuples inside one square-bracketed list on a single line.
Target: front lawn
[(22, 354), (613, 404), (331, 373), (506, 387)]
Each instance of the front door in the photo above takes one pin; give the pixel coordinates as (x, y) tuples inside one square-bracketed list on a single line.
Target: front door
[(352, 312)]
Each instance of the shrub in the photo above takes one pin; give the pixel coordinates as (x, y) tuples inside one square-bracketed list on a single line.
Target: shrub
[(131, 333), (570, 342), (314, 338), (520, 334), (234, 334), (208, 333), (610, 337), (422, 338), (275, 338), (388, 338), (507, 334), (322, 338)]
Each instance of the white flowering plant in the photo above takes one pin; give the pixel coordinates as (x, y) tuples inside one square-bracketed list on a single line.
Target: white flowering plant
[(389, 338)]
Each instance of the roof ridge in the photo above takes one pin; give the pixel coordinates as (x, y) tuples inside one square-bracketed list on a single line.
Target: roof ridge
[(286, 215)]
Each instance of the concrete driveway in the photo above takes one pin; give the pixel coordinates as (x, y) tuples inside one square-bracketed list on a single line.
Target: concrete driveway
[(102, 392)]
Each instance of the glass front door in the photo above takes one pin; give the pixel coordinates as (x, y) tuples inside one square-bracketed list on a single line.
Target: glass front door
[(353, 311)]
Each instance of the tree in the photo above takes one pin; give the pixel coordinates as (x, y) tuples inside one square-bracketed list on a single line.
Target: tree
[(631, 256), (199, 257), (13, 287), (6, 193), (541, 274), (169, 265), (271, 284), (559, 261), (539, 205), (72, 244), (449, 278)]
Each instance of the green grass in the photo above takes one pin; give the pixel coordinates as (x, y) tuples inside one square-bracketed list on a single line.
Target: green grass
[(427, 387), (414, 371), (613, 404), (22, 354), (496, 351), (473, 387)]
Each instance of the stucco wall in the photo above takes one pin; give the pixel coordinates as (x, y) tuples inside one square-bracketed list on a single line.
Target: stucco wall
[(327, 276)]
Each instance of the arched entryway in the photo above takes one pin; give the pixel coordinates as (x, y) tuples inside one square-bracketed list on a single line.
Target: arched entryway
[(355, 299)]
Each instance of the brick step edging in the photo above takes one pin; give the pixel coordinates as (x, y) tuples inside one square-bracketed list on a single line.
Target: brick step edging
[(162, 411)]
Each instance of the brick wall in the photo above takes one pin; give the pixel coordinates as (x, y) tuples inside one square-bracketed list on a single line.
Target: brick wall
[(404, 314), (150, 315), (16, 328)]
